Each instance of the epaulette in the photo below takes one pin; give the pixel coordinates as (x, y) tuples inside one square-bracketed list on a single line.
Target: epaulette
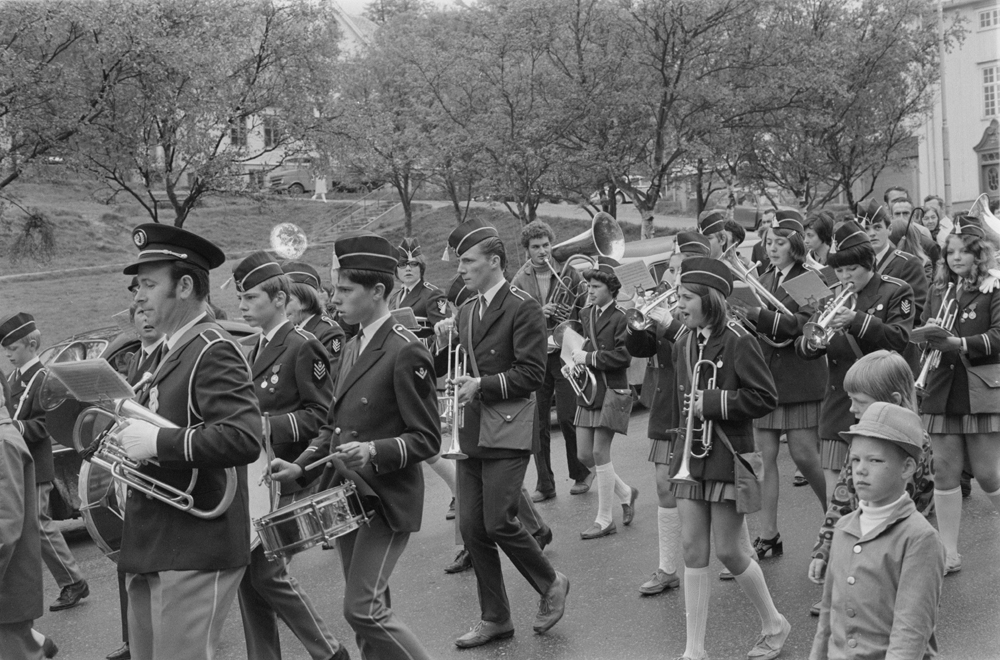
[(520, 295), (893, 280), (324, 317), (738, 329), (305, 334), (401, 330), (431, 286), (905, 255)]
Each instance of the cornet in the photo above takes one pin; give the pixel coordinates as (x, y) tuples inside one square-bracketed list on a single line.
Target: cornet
[(658, 309), (454, 411), (582, 379), (818, 333), (697, 430), (945, 318)]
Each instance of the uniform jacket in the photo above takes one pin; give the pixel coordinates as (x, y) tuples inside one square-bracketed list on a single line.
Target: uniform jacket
[(330, 335), (203, 386), (881, 594), (743, 392), (387, 398), (141, 364), (904, 266), (509, 345), (292, 379), (609, 359), (978, 321), (884, 318), (657, 344), (427, 301), (25, 407), (798, 380), (20, 544)]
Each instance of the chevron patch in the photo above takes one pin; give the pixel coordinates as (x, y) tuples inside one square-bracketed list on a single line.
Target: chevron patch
[(335, 345), (421, 373), (319, 370), (905, 306), (442, 305)]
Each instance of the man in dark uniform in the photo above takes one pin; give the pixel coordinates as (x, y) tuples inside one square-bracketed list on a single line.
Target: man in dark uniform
[(21, 341), (291, 376), (503, 330), (183, 570), (712, 225), (537, 279), (306, 312), (382, 424), (874, 218)]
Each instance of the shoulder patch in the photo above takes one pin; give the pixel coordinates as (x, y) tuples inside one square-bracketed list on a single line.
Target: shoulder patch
[(327, 319), (401, 330), (520, 295), (428, 285), (305, 334), (738, 329), (893, 280)]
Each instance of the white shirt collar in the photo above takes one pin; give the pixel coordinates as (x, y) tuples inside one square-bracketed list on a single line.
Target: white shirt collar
[(605, 308), (270, 335), (148, 350), (491, 293), (179, 332), (369, 330), (27, 365), (885, 251)]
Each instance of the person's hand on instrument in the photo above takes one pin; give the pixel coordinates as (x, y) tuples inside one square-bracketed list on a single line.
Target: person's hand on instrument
[(444, 329), (580, 356), (138, 438), (467, 388), (355, 455), (284, 472), (945, 344), (842, 319), (698, 403)]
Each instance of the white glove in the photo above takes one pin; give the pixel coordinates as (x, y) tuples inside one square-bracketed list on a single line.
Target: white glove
[(580, 357), (138, 439)]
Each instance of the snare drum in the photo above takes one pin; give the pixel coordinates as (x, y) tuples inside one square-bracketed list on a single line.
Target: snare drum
[(319, 518)]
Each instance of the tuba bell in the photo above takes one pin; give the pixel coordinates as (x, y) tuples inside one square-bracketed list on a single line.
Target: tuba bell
[(583, 380), (604, 239)]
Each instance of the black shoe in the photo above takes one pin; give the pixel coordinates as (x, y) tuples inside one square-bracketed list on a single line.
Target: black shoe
[(628, 510), (49, 649), (70, 596), (462, 563), (539, 496), (341, 654), (764, 546), (485, 632), (543, 537), (121, 654)]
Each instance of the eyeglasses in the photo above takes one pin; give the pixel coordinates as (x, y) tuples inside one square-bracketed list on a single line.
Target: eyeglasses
[(411, 264)]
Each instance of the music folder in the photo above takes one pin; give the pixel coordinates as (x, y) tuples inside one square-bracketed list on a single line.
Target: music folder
[(91, 381)]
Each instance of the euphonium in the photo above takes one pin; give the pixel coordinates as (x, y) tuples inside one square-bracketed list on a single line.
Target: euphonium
[(563, 293), (945, 318), (453, 410), (657, 309), (108, 454), (583, 381), (697, 430), (818, 332)]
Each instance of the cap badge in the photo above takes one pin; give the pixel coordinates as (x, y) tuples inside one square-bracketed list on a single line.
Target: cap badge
[(139, 238)]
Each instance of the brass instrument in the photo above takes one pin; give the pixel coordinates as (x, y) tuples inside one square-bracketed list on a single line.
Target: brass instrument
[(453, 411), (759, 291), (604, 238), (812, 264), (563, 293), (658, 309), (106, 453), (583, 381), (818, 333), (945, 318), (697, 430)]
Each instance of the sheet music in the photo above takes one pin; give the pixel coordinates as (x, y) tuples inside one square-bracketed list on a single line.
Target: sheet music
[(572, 342), (405, 317), (92, 381), (635, 274), (808, 289)]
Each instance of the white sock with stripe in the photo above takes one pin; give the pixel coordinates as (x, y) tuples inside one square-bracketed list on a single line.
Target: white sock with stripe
[(668, 525), (605, 493), (697, 590)]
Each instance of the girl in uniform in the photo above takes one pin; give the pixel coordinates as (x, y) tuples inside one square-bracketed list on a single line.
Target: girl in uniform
[(961, 407), (801, 383), (880, 316), (604, 352), (743, 390)]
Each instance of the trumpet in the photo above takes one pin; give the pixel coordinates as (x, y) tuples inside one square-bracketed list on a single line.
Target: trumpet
[(582, 379), (945, 318), (454, 411), (759, 291), (657, 309), (818, 333), (697, 430)]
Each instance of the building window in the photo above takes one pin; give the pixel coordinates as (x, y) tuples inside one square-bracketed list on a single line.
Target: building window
[(990, 90), (238, 132), (256, 179), (272, 132), (989, 18)]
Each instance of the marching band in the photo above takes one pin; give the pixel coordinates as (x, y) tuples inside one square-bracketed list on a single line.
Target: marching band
[(886, 388)]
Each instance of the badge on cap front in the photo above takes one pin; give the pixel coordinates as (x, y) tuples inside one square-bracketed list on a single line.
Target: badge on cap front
[(139, 238)]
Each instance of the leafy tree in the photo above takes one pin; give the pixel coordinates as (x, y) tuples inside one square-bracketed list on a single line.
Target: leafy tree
[(209, 75), (382, 11)]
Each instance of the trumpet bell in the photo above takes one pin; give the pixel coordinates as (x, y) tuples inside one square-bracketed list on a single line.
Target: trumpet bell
[(288, 241)]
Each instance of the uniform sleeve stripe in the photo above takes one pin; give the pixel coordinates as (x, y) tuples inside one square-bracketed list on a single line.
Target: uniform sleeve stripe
[(188, 448), (503, 386), (864, 324), (295, 427), (986, 342), (402, 452), (725, 404)]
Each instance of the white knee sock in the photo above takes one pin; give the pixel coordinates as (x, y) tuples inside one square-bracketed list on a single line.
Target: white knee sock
[(668, 524), (605, 493), (445, 468), (622, 490), (746, 545), (39, 637), (697, 589), (753, 585), (995, 498), (948, 509)]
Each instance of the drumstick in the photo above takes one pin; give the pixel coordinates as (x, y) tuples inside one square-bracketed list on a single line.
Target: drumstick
[(323, 461)]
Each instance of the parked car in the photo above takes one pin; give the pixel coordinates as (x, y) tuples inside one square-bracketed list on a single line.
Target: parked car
[(296, 176), (640, 183), (116, 346)]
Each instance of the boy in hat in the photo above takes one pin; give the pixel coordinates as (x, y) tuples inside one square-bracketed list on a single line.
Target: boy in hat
[(21, 341), (712, 225), (503, 332), (383, 422), (291, 375), (888, 260), (183, 571), (305, 310), (886, 567)]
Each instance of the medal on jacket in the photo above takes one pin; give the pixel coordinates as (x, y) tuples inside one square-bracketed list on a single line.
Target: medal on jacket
[(274, 374), (154, 398), (970, 312)]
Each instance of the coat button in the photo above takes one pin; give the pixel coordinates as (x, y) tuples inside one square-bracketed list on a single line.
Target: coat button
[(509, 418), (492, 352), (851, 580), (354, 434), (336, 431), (364, 401), (659, 389), (852, 643), (850, 612), (857, 549), (680, 387)]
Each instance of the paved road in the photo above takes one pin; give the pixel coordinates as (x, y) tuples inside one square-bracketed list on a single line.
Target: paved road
[(606, 618)]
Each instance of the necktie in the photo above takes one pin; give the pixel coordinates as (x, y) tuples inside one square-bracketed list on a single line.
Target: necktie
[(260, 349), (482, 306), (777, 281), (350, 356)]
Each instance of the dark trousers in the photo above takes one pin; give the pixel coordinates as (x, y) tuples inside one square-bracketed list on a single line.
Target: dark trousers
[(558, 388), (368, 556), (490, 490), (123, 602)]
